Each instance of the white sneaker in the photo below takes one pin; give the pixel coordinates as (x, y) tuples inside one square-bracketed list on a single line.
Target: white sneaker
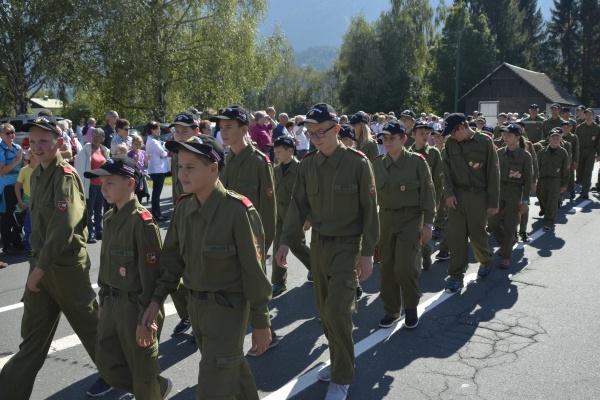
[(337, 392), (324, 374)]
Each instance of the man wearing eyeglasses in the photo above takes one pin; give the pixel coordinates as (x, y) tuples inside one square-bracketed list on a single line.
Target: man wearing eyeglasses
[(471, 190), (335, 191)]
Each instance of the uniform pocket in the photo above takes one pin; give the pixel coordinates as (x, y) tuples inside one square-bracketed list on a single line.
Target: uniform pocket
[(312, 192), (346, 197), (122, 266), (409, 193)]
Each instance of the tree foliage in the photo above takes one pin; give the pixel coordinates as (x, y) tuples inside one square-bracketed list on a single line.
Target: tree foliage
[(477, 57)]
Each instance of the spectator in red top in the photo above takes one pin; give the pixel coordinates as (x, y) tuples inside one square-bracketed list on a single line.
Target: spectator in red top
[(260, 133)]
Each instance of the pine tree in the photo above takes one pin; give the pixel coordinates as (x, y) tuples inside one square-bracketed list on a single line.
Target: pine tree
[(590, 52)]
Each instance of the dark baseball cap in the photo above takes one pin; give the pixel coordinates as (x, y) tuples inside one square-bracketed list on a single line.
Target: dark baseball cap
[(205, 145), (566, 122), (487, 129), (512, 128), (185, 119), (393, 128), (502, 114), (565, 109), (346, 131), (452, 122), (589, 110), (422, 124), (555, 131), (320, 113), (555, 105), (285, 141), (480, 119), (358, 118), (408, 113), (534, 107), (233, 112), (581, 107), (48, 123), (119, 165)]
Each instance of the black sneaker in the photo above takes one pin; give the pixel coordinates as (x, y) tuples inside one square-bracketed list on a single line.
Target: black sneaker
[(484, 270), (547, 228), (426, 263), (542, 212), (595, 189), (182, 326), (572, 195), (442, 256), (309, 276), (387, 321), (99, 388), (525, 237), (411, 318), (359, 292)]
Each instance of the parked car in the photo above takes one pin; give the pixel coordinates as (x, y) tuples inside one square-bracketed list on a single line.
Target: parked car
[(21, 138), (166, 133)]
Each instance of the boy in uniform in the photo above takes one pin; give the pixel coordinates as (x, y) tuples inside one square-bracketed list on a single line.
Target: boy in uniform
[(185, 126), (126, 350), (406, 198), (471, 189), (439, 223), (534, 124), (421, 133), (215, 242), (59, 274), (588, 133), (335, 190), (285, 177), (249, 172), (553, 161)]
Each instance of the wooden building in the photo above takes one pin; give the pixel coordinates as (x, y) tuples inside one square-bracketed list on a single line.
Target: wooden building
[(516, 89)]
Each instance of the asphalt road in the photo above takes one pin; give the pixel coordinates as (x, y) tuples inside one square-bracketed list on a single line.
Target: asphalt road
[(527, 333)]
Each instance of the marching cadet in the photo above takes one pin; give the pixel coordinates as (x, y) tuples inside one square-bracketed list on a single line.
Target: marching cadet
[(500, 120), (553, 121), (362, 134), (534, 178), (215, 242), (471, 189), (534, 124), (406, 198), (516, 171), (580, 114), (408, 118), (185, 127), (59, 273), (421, 133), (335, 190), (439, 224), (285, 176), (347, 135), (553, 162), (126, 350), (588, 133), (569, 137), (249, 172)]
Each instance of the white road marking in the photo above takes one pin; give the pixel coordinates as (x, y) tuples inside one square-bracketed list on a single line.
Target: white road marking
[(73, 340), (20, 305), (579, 207)]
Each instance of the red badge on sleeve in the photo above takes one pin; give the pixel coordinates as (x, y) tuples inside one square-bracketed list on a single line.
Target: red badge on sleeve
[(269, 193), (372, 189), (62, 205), (151, 258)]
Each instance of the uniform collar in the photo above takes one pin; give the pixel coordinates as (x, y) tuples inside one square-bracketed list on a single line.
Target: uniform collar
[(292, 167), (239, 158), (53, 164), (118, 217), (335, 158), (209, 209), (387, 160)]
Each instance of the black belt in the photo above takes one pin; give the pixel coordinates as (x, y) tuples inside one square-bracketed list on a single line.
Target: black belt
[(331, 238), (472, 189), (406, 208), (122, 292), (508, 183)]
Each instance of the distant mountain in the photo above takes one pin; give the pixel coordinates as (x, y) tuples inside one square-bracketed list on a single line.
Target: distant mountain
[(320, 57)]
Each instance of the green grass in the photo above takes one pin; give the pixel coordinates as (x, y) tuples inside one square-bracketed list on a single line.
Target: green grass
[(168, 181)]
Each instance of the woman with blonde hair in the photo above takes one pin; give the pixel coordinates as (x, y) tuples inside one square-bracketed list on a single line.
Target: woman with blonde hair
[(364, 141)]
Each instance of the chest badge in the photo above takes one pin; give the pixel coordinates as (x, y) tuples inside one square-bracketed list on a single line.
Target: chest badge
[(514, 174), (122, 271), (62, 205), (270, 193), (372, 189), (402, 188)]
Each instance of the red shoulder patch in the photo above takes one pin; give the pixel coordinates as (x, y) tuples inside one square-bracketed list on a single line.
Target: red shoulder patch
[(422, 157), (179, 199), (146, 216), (246, 201), (67, 169), (361, 153), (306, 155), (267, 159)]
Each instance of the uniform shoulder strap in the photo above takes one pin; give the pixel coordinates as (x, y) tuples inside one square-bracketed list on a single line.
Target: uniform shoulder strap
[(243, 199), (146, 216), (182, 197), (360, 153), (310, 153), (264, 156), (67, 169)]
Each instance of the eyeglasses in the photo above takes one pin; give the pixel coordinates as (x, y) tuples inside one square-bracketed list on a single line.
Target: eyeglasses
[(319, 135), (126, 129)]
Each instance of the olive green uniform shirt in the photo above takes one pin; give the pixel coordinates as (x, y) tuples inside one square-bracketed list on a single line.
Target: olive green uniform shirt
[(250, 173), (534, 128), (284, 186), (434, 160), (217, 247), (589, 137), (369, 149), (58, 212), (574, 140), (405, 182), (516, 169), (551, 123), (337, 194), (129, 257), (554, 164), (472, 163), (176, 186)]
